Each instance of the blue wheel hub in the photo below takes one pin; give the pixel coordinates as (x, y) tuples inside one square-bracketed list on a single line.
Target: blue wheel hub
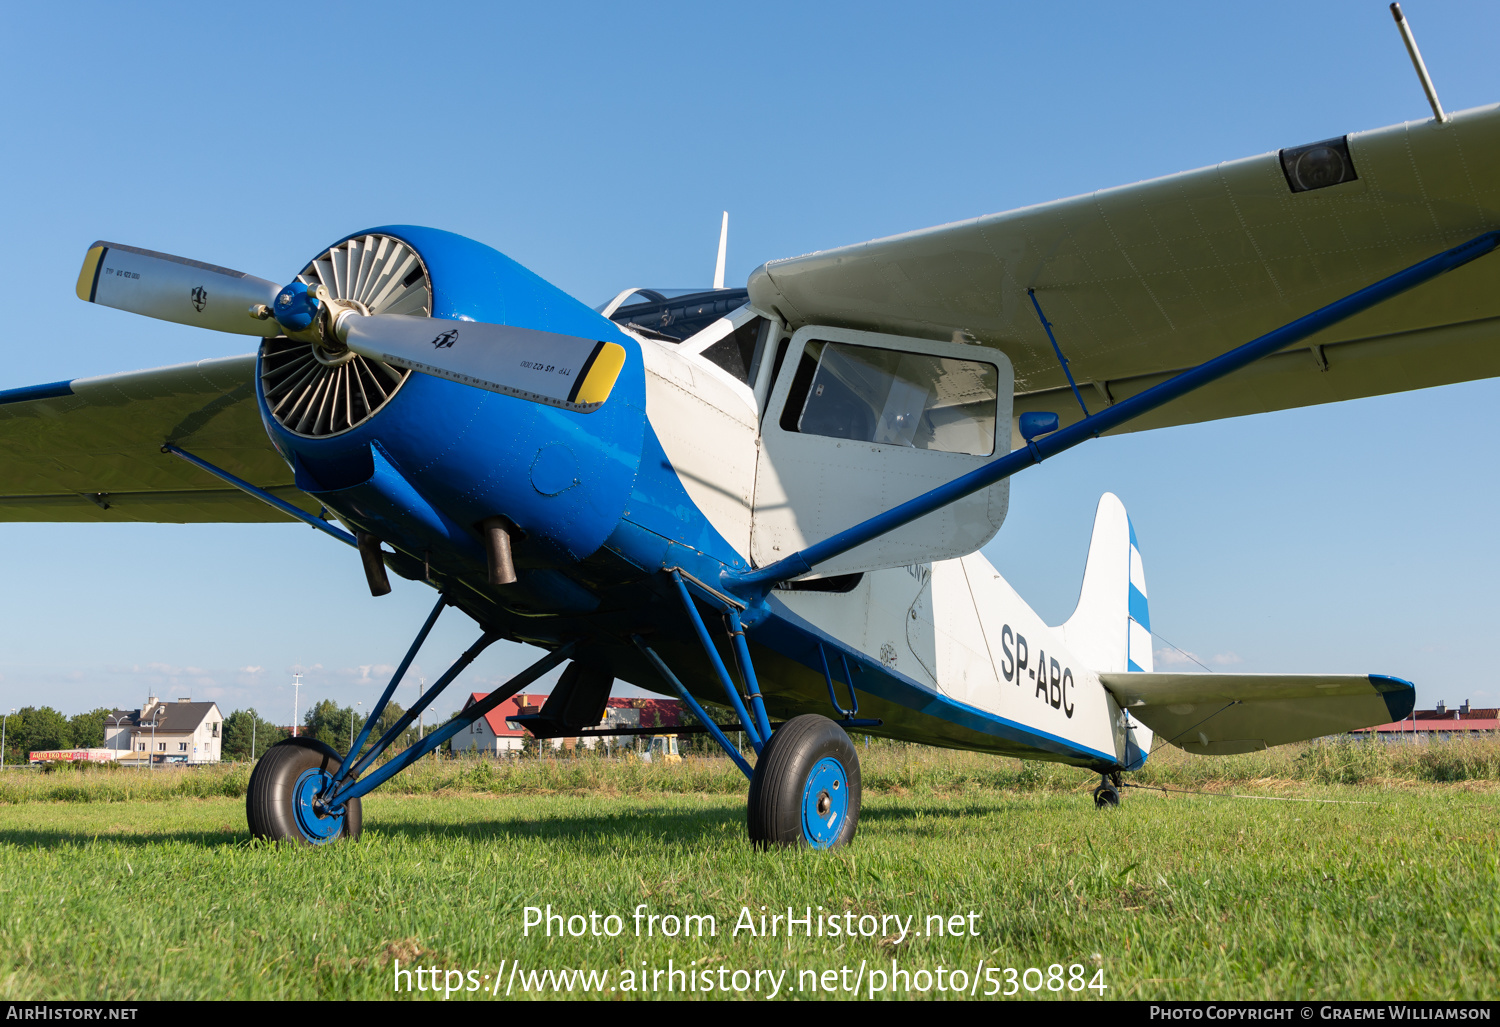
[(317, 827), (825, 803)]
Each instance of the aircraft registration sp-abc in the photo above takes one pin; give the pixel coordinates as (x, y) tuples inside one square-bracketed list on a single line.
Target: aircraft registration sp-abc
[(774, 497)]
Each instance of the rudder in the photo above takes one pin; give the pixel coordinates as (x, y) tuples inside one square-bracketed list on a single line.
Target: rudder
[(1110, 629)]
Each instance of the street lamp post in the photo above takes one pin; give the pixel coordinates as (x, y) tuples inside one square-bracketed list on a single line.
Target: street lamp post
[(352, 719), (296, 700), (155, 718), (113, 716), (3, 721)]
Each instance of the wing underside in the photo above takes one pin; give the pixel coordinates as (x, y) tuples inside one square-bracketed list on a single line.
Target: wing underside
[(1222, 714), (1145, 280), (90, 449)]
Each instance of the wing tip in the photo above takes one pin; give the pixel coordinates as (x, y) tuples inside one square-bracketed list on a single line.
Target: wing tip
[(1400, 695)]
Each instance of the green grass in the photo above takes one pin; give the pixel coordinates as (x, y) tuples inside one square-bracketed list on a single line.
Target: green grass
[(887, 768), (1390, 892)]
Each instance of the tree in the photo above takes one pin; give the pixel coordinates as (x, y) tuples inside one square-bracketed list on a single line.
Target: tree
[(243, 725), (388, 718), (331, 723), (14, 734), (87, 729), (33, 728), (447, 747), (328, 723)]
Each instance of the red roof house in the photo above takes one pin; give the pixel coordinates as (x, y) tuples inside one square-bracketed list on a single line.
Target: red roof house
[(1441, 722), (495, 733)]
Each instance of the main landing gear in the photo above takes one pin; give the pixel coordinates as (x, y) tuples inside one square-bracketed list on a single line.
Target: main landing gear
[(805, 787), (283, 804), (805, 790)]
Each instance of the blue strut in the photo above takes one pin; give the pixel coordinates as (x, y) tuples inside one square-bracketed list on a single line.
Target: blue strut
[(262, 495), (747, 671), (692, 704), (752, 728), (1058, 350), (761, 581), (390, 690), (470, 655), (454, 726)]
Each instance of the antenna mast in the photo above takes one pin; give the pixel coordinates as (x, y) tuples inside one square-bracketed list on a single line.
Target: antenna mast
[(1417, 62), (723, 248)]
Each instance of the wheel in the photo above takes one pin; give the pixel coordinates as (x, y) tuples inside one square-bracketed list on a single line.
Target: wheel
[(805, 790), (280, 800), (1106, 796)]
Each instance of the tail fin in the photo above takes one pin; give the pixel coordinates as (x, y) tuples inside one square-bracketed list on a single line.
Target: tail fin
[(1111, 628)]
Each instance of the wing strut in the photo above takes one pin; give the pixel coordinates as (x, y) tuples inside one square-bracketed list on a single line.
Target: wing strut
[(1058, 350), (263, 495), (1036, 450)]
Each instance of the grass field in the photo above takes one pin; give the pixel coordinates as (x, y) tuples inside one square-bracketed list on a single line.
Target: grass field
[(125, 884)]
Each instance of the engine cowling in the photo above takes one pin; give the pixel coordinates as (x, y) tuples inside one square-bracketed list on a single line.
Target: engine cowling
[(421, 462)]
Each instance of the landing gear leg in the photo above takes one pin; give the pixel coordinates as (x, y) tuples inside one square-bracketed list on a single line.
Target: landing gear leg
[(1107, 795)]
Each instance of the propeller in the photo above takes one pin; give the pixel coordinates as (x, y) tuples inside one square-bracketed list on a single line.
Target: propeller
[(172, 288), (567, 371), (544, 367)]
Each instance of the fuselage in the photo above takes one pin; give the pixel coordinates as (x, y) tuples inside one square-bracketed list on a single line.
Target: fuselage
[(663, 475)]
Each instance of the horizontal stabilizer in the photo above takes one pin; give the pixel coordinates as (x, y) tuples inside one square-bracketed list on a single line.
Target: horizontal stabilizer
[(1222, 714)]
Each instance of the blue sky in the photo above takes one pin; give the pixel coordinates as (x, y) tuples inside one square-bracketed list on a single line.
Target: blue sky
[(597, 144)]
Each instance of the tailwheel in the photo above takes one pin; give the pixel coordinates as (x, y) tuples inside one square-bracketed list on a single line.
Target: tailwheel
[(805, 790), (282, 800), (1107, 795)]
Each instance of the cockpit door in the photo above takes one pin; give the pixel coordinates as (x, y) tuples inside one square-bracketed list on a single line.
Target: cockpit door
[(859, 422)]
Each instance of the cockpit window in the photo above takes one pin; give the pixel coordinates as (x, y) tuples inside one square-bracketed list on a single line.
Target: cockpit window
[(736, 352), (673, 315), (893, 398)]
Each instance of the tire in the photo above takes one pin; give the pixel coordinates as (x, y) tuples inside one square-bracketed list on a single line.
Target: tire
[(1106, 797), (805, 791), (278, 802)]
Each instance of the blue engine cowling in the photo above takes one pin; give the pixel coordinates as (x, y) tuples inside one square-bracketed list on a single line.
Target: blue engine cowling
[(440, 457)]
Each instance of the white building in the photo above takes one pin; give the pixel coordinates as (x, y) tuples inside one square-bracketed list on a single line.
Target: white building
[(162, 732)]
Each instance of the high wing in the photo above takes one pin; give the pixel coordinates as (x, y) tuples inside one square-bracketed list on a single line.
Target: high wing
[(1222, 714), (1144, 280), (90, 449)]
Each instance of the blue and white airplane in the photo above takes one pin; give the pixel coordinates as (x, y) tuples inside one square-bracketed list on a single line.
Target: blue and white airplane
[(773, 498)]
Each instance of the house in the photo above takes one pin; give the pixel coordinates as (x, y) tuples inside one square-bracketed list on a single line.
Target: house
[(1437, 723), (494, 734), (161, 732)]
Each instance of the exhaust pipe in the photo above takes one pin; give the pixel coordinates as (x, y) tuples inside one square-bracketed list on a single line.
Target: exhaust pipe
[(374, 561), (497, 532)]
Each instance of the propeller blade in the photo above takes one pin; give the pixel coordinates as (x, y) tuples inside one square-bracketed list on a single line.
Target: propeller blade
[(559, 370), (174, 289)]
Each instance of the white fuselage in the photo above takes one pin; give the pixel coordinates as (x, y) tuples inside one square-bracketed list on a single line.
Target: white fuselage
[(952, 625)]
